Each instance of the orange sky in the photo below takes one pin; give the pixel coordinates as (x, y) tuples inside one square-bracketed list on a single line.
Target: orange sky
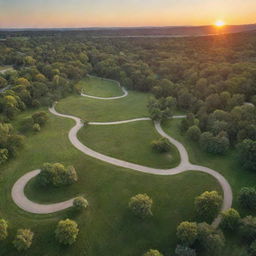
[(86, 13)]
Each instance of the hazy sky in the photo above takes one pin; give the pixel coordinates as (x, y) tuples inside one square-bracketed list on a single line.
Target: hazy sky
[(84, 13)]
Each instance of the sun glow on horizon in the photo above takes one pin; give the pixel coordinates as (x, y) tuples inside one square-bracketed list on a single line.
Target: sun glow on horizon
[(220, 23)]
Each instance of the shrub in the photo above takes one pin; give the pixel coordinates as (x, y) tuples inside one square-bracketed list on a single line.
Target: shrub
[(66, 231), (187, 233), (184, 251), (247, 198), (208, 205), (80, 203), (57, 175), (3, 229), (23, 239), (141, 205), (36, 127), (193, 133), (161, 145), (153, 253), (40, 118), (230, 219)]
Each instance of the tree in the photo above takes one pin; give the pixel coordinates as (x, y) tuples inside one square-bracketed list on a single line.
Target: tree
[(152, 252), (247, 154), (66, 231), (141, 205), (80, 203), (161, 145), (208, 205), (40, 118), (248, 228), (247, 197), (3, 229), (3, 155), (57, 175), (214, 144), (23, 239), (252, 249), (187, 233), (3, 82), (36, 127), (230, 219), (184, 251), (194, 133), (210, 239)]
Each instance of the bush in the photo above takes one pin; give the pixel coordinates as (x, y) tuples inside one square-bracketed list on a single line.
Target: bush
[(80, 203), (187, 233), (184, 251), (36, 128), (23, 239), (153, 253), (247, 198), (161, 145), (57, 175), (141, 205), (3, 229), (40, 118), (248, 228), (66, 231), (208, 205), (193, 133), (230, 220)]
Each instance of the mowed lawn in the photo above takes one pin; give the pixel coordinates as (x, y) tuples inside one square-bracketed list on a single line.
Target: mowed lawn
[(130, 142), (228, 165), (132, 106), (107, 227), (99, 87)]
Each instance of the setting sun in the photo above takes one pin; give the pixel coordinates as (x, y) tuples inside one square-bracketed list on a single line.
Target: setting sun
[(219, 23)]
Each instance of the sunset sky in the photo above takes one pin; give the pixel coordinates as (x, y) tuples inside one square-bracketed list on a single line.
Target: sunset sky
[(89, 13)]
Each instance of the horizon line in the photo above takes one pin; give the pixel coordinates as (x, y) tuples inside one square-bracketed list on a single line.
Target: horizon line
[(124, 27)]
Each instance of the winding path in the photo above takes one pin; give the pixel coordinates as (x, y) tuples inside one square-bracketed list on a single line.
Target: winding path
[(125, 93), (184, 166)]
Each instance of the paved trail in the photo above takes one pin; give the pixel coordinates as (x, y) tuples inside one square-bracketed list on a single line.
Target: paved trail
[(184, 166)]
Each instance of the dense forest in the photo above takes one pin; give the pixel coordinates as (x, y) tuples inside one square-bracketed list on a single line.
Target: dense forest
[(212, 78)]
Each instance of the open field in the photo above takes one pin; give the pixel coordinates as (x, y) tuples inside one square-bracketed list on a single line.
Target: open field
[(130, 142), (107, 227), (132, 106), (99, 87)]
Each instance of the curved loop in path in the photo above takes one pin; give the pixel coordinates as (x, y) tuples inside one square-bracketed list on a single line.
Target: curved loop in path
[(24, 203), (125, 93), (184, 166)]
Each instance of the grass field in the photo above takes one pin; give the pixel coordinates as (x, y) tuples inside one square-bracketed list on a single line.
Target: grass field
[(99, 87), (132, 106), (107, 228), (130, 142)]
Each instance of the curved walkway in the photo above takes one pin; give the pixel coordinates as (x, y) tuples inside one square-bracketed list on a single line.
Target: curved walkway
[(24, 203), (125, 93), (184, 166)]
